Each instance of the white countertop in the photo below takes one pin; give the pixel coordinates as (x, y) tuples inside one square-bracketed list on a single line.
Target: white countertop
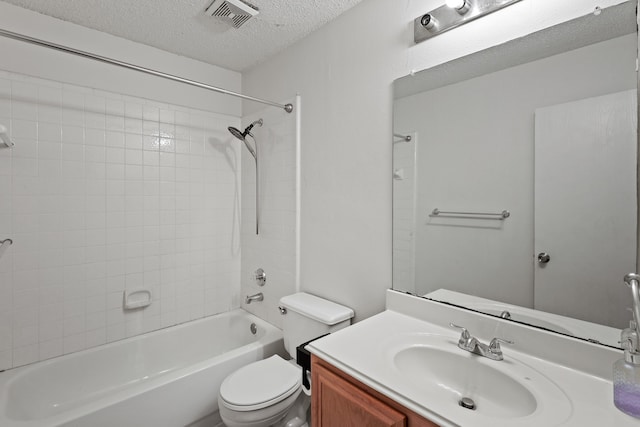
[(360, 351)]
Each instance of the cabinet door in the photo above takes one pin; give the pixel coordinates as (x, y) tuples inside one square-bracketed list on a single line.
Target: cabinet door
[(338, 403)]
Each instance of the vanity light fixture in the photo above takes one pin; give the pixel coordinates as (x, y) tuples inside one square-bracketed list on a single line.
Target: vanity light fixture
[(453, 14), (429, 22), (460, 6), (455, 4)]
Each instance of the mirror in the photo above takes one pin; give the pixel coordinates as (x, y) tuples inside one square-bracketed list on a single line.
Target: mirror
[(514, 178)]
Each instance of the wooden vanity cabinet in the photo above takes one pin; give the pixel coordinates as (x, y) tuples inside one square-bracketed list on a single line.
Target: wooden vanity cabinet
[(339, 400)]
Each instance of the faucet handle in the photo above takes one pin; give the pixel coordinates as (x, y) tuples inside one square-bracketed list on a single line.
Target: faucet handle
[(465, 333), (494, 345)]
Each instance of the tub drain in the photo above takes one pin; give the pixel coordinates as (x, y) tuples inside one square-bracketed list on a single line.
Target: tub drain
[(253, 328), (467, 403)]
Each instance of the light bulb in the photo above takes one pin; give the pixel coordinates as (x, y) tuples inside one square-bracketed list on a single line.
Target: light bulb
[(456, 4)]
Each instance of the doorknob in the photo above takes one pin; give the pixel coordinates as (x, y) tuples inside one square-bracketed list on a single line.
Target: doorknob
[(543, 258)]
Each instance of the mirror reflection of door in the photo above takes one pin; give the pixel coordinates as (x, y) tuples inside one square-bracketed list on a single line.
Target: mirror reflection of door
[(585, 207)]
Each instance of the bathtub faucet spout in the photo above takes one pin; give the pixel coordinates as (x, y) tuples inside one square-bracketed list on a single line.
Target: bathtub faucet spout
[(257, 297)]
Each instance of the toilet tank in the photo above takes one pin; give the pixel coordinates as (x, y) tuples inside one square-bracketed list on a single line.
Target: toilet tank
[(308, 316)]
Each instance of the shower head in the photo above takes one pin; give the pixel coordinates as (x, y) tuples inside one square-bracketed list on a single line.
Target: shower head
[(242, 136), (235, 132)]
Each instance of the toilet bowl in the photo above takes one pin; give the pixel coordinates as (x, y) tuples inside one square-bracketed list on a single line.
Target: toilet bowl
[(262, 394), (269, 393)]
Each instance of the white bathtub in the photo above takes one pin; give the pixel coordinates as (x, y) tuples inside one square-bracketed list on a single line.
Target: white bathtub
[(166, 378)]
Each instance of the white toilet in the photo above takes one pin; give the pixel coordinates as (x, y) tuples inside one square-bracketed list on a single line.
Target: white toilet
[(270, 392)]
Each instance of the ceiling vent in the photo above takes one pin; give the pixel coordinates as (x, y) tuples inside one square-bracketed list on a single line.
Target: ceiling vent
[(235, 12)]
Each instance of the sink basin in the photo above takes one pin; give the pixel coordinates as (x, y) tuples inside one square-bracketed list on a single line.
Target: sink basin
[(509, 392), (494, 392)]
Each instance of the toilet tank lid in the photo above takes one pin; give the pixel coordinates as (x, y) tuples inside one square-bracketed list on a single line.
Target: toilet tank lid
[(317, 308)]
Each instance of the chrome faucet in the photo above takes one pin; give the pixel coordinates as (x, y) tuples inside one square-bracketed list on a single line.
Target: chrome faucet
[(630, 337), (256, 297), (471, 344)]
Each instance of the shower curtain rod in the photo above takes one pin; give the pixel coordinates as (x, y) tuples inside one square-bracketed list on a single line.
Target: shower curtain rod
[(16, 36)]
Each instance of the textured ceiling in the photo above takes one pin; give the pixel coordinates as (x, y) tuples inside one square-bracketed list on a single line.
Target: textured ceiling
[(180, 27)]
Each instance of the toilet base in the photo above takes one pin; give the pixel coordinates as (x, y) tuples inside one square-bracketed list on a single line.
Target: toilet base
[(298, 414), (295, 416)]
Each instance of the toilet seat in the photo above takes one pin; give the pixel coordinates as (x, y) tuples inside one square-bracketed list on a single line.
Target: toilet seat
[(260, 384)]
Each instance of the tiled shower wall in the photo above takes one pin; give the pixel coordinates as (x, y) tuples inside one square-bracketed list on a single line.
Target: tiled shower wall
[(104, 193)]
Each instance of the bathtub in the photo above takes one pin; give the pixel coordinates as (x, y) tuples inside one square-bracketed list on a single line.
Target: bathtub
[(166, 378)]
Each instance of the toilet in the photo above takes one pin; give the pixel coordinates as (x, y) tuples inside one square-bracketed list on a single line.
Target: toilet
[(269, 392)]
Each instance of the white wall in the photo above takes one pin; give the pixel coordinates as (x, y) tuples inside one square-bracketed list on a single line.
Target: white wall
[(345, 72), (118, 180), (486, 164)]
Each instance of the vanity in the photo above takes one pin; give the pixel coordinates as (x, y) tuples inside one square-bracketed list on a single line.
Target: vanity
[(343, 400), (403, 367)]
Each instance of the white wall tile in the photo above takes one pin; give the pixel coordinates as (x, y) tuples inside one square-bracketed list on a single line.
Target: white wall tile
[(25, 355), (73, 343), (49, 349), (100, 203), (95, 136)]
